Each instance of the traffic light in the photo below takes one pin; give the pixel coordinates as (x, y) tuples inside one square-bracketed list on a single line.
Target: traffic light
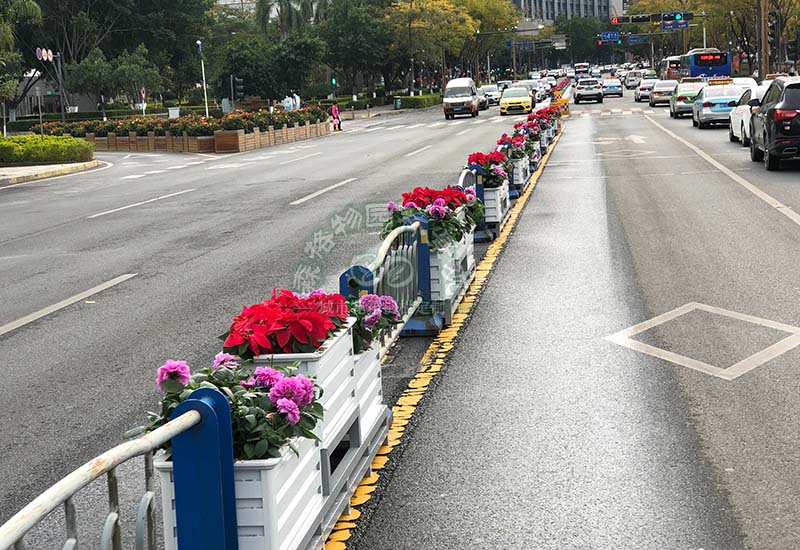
[(333, 81), (773, 32), (619, 42), (676, 16), (599, 42), (238, 85), (615, 20)]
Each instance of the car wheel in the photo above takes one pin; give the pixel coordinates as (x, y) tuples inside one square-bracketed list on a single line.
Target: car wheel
[(702, 125), (502, 113), (694, 121), (756, 154), (745, 139), (651, 104), (671, 114), (731, 136), (600, 100), (478, 112), (771, 162), (577, 101)]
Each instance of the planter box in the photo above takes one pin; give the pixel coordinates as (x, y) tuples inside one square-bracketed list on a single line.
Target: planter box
[(521, 172), (495, 203), (333, 369), (543, 143), (450, 266), (369, 389), (277, 500), (201, 144)]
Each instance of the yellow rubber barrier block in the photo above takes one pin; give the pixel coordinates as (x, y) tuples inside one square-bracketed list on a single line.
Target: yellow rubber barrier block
[(339, 536), (335, 545), (379, 462), (352, 516), (344, 525)]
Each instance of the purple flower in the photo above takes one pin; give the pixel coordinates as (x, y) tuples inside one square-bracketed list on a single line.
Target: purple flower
[(297, 388), (469, 190), (392, 206), (439, 202), (372, 319), (437, 211), (369, 302), (290, 409), (173, 370), (226, 360), (248, 384), (409, 204), (266, 377)]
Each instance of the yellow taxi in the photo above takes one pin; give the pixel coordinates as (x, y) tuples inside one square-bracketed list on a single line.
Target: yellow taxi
[(516, 100)]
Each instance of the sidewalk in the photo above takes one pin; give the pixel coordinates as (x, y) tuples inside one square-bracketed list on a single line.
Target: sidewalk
[(11, 175), (538, 434)]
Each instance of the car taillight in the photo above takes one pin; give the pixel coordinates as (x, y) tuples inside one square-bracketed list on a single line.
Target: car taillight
[(781, 114), (753, 110), (708, 104), (599, 87), (680, 98), (580, 87), (642, 89)]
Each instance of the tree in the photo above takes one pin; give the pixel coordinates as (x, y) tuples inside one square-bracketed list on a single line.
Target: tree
[(10, 69), (491, 15), (94, 76), (133, 71), (11, 12)]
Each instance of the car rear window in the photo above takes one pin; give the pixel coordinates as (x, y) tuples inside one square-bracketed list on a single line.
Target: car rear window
[(690, 87), (724, 91), (587, 83), (457, 92), (666, 84), (515, 92), (491, 88), (791, 97)]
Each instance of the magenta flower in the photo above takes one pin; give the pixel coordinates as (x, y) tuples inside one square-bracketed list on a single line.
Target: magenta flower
[(370, 302), (173, 370), (297, 388), (372, 319), (266, 377), (438, 212), (290, 409), (248, 384), (226, 360), (388, 304), (409, 204), (392, 206), (439, 202)]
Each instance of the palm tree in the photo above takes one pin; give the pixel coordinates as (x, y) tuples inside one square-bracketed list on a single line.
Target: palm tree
[(12, 12), (291, 14)]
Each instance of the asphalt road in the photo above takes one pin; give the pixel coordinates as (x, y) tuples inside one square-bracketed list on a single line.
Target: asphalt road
[(201, 235), (542, 433)]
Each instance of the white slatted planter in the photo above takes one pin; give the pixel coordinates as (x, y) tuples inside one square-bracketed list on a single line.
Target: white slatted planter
[(495, 203), (277, 500), (521, 172), (451, 265), (369, 389)]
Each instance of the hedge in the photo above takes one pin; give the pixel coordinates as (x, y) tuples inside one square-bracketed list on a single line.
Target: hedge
[(50, 149), (420, 101)]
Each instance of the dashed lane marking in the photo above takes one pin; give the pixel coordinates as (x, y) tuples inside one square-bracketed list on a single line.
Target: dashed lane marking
[(462, 132), (156, 172), (176, 167), (133, 177), (300, 158), (121, 208), (322, 191), (416, 126), (412, 153)]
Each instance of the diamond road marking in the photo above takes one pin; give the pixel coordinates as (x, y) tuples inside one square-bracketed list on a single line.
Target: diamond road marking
[(624, 338)]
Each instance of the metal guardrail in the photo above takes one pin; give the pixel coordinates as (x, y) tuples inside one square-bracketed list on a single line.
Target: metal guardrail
[(468, 178)]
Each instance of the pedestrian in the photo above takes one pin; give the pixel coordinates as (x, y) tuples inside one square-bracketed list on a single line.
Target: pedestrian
[(296, 99), (337, 119)]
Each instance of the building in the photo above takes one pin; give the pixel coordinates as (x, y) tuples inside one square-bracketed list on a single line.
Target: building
[(550, 10)]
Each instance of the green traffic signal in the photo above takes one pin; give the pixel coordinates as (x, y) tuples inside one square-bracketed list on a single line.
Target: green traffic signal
[(678, 16), (333, 81), (619, 41)]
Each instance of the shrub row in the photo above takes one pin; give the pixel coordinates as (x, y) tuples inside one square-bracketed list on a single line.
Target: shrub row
[(420, 101), (192, 124), (44, 149)]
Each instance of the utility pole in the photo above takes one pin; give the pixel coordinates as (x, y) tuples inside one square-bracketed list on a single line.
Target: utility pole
[(61, 95), (203, 69), (763, 11), (514, 58)]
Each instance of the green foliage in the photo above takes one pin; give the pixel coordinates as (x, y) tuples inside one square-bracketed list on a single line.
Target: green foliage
[(10, 69), (134, 70), (420, 101), (94, 76), (51, 149)]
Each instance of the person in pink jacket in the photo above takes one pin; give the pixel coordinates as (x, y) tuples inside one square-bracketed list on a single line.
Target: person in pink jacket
[(337, 120)]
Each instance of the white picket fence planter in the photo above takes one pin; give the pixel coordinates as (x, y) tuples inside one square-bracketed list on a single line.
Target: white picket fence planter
[(277, 500), (495, 203), (451, 265), (521, 172), (369, 389), (332, 368)]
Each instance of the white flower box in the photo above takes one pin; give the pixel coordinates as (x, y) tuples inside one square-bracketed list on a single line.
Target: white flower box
[(332, 368), (277, 500), (450, 267), (521, 172), (495, 203), (369, 389)]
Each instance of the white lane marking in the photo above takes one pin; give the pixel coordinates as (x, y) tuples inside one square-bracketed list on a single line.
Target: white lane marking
[(396, 127), (481, 121), (412, 153), (773, 202), (375, 129), (626, 112), (648, 112), (212, 157), (229, 165), (616, 111), (195, 163), (457, 122), (605, 114), (415, 126), (13, 325), (321, 191), (176, 167), (436, 124), (133, 177), (498, 119), (300, 158), (140, 203), (462, 132), (155, 172)]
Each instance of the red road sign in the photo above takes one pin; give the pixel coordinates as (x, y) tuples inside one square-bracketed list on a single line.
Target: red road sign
[(50, 55), (39, 54)]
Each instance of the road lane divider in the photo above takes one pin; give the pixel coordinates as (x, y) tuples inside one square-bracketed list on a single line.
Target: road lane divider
[(316, 194), (64, 303), (121, 208), (300, 158), (420, 150), (770, 200), (431, 364)]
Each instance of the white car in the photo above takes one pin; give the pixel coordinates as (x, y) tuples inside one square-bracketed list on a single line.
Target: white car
[(745, 82), (740, 116), (642, 91)]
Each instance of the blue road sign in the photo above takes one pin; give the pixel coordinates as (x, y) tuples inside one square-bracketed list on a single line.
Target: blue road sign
[(609, 36), (636, 39)]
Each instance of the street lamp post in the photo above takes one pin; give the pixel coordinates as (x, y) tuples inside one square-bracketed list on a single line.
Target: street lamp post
[(203, 69)]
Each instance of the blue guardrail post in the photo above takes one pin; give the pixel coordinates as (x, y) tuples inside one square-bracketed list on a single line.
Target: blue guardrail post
[(205, 506), (425, 321), (356, 281)]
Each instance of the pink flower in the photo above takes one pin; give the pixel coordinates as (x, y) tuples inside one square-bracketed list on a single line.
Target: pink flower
[(173, 370), (389, 305), (225, 360), (370, 302), (392, 206), (297, 388), (372, 319), (249, 384), (290, 409), (266, 377)]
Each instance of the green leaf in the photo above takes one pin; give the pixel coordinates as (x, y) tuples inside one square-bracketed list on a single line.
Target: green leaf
[(261, 448), (227, 391), (172, 386), (249, 450), (135, 432)]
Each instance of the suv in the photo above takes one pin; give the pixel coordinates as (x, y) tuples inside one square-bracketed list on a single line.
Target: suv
[(775, 124), (460, 98), (588, 88)]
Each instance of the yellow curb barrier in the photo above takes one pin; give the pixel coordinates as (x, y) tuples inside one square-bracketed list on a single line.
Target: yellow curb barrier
[(430, 365)]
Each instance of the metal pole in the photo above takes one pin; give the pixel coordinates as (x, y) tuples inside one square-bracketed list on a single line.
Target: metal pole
[(203, 69), (4, 118), (233, 100), (61, 95), (39, 101), (704, 33), (764, 57)]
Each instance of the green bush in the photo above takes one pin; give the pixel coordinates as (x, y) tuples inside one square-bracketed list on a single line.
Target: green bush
[(420, 101), (51, 149)]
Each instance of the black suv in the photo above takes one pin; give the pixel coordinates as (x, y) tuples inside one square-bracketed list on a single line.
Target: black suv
[(775, 124)]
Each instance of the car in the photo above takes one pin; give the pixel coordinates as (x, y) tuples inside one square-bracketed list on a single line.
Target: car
[(739, 127), (596, 74), (775, 126), (570, 73), (493, 93), (503, 84), (632, 79), (588, 88), (483, 100), (661, 92), (612, 86), (642, 91), (460, 98), (680, 103), (516, 99), (745, 82), (524, 86), (713, 104)]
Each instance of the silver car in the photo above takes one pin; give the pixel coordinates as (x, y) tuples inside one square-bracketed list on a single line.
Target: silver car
[(642, 91), (662, 92), (714, 104)]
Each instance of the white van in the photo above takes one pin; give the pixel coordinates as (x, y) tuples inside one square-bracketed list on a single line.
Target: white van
[(632, 79), (461, 98)]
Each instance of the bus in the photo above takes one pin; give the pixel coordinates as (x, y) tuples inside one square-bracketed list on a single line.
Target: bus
[(706, 62), (670, 68), (582, 70)]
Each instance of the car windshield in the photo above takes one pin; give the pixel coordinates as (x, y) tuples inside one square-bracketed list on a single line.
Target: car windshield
[(481, 91), (611, 82), (457, 92), (666, 84), (724, 91), (587, 83), (791, 97), (491, 88), (690, 87), (515, 92)]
